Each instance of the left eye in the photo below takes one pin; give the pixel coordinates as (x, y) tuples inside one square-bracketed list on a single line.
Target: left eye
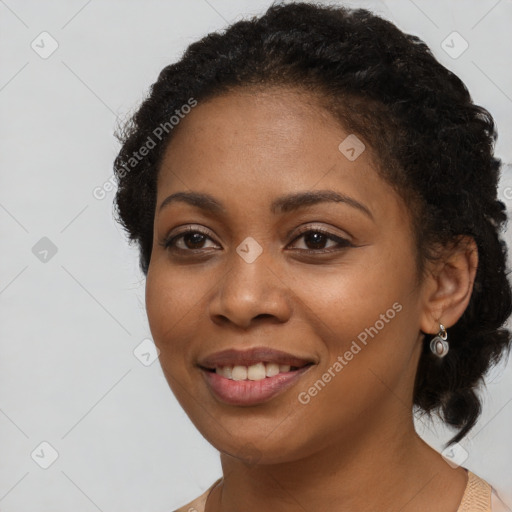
[(316, 238)]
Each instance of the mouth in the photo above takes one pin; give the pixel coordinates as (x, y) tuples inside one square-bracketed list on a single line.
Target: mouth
[(258, 371), (253, 364), (250, 377)]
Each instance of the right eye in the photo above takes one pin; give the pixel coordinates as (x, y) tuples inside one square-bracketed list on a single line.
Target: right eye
[(192, 239)]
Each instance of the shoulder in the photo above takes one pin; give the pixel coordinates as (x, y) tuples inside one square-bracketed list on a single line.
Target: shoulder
[(480, 496), (497, 504), (198, 504)]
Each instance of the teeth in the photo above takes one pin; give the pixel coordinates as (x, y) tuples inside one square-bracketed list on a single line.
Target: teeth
[(225, 371), (258, 371), (239, 372), (272, 369)]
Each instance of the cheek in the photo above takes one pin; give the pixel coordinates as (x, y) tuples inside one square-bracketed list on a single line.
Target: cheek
[(171, 298), (171, 307), (355, 293), (366, 314)]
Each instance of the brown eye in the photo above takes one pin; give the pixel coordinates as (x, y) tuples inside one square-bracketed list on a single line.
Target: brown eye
[(189, 240), (315, 240), (193, 240)]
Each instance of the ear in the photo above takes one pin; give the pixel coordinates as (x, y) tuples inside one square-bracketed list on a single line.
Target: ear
[(448, 285)]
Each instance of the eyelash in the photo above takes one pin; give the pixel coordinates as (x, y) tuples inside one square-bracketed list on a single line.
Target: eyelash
[(169, 242)]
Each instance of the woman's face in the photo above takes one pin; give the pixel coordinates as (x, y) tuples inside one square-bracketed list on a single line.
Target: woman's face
[(270, 258)]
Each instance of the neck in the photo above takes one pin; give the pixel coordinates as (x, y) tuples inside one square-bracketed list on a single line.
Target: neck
[(383, 469)]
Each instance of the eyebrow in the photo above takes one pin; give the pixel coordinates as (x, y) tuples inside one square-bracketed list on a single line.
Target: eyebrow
[(282, 204)]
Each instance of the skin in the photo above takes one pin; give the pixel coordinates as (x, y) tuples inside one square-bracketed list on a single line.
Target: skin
[(247, 148)]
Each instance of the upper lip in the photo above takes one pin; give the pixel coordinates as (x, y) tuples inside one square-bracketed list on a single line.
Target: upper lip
[(248, 357)]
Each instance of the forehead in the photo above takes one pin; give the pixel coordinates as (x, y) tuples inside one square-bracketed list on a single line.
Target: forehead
[(251, 145), (275, 116)]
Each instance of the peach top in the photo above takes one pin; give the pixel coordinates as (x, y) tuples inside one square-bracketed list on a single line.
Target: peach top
[(479, 496)]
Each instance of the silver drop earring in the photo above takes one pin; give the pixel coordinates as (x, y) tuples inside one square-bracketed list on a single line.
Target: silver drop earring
[(439, 346)]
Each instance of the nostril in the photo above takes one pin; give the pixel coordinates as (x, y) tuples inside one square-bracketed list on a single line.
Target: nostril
[(264, 315)]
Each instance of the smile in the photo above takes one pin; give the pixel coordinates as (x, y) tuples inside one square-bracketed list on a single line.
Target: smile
[(252, 376), (258, 371)]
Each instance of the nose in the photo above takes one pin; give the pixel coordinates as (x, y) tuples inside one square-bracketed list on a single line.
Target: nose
[(249, 293)]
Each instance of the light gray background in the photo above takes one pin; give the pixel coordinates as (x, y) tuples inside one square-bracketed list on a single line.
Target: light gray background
[(69, 326)]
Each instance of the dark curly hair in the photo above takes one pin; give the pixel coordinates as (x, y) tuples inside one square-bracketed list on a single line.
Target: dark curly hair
[(433, 145)]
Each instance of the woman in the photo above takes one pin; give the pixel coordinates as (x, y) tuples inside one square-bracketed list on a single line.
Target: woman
[(314, 198)]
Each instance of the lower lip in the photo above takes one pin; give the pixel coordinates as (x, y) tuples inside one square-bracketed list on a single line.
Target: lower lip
[(251, 392)]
